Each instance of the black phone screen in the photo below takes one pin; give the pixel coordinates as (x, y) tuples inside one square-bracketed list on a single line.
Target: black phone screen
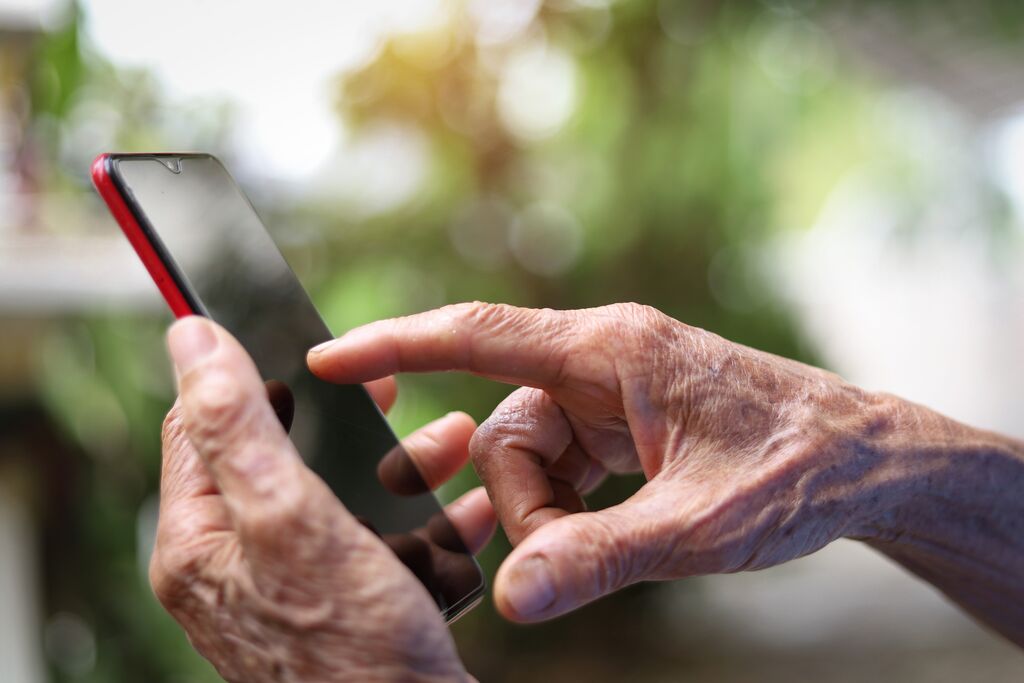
[(228, 267)]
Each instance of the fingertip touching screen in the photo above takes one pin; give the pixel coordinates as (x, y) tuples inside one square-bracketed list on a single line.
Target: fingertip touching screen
[(229, 268)]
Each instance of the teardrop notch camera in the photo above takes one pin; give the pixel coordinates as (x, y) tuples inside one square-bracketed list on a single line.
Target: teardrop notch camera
[(173, 164)]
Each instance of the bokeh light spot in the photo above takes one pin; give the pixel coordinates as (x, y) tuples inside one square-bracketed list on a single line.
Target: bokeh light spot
[(546, 239), (537, 94)]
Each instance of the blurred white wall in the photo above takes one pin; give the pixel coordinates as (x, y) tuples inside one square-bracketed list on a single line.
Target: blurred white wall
[(926, 302), (918, 293)]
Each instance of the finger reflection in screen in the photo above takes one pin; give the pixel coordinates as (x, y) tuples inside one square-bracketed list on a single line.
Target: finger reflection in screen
[(283, 402), (436, 553)]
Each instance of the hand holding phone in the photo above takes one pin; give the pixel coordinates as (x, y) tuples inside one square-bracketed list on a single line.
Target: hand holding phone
[(272, 578), (210, 255)]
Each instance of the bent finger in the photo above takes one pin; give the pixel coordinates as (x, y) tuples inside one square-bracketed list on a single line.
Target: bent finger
[(511, 452)]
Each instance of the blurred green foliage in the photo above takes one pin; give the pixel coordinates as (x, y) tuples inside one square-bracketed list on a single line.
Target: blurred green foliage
[(700, 129)]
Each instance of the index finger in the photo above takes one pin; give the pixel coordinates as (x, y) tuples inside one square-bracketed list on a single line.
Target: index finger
[(506, 343)]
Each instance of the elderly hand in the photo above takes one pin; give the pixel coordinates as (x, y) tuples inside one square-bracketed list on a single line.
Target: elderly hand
[(751, 459), (270, 576)]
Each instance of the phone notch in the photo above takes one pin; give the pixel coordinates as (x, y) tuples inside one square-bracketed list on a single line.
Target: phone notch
[(172, 164)]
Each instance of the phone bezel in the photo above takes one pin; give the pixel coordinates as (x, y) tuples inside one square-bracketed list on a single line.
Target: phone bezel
[(173, 285)]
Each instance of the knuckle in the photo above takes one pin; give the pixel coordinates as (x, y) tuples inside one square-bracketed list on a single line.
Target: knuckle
[(487, 318), (287, 513), (481, 311), (606, 559), (631, 333), (171, 570), (612, 556), (172, 430), (481, 315), (519, 413), (627, 309), (639, 318), (218, 410), (481, 440), (482, 443)]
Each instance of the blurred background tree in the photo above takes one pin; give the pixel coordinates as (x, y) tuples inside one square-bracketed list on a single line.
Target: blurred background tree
[(565, 154)]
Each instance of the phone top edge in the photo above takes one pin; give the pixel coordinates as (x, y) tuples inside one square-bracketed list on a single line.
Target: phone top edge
[(105, 182), (154, 155)]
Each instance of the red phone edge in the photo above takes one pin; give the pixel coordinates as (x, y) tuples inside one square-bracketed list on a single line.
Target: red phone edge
[(110, 193), (137, 237)]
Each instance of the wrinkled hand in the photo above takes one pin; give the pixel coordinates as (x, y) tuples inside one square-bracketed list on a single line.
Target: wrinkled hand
[(270, 576), (751, 459)]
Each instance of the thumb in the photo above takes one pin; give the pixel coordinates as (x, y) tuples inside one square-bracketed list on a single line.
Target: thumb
[(578, 558), (276, 504)]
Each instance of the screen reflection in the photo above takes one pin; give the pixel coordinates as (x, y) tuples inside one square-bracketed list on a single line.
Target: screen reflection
[(232, 270)]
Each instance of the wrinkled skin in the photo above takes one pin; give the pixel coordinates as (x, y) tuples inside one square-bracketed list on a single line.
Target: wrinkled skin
[(751, 460), (270, 576)]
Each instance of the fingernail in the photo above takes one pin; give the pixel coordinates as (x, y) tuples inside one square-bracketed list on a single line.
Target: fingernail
[(531, 586), (320, 348), (190, 340)]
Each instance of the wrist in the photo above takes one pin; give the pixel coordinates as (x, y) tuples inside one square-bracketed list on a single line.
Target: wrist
[(929, 471), (902, 447), (948, 507)]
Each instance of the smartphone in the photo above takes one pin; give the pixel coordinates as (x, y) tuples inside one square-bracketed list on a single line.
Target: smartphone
[(209, 254)]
